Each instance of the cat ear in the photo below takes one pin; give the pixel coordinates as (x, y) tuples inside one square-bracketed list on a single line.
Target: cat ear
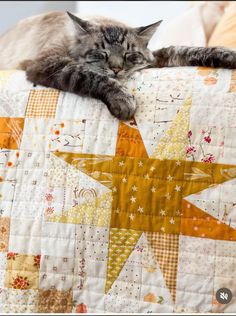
[(146, 32), (80, 24)]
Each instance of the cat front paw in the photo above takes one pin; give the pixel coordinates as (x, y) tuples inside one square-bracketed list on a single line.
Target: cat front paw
[(121, 104), (229, 59), (221, 57), (31, 73)]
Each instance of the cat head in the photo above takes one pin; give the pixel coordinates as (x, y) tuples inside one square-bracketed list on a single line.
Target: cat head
[(111, 47)]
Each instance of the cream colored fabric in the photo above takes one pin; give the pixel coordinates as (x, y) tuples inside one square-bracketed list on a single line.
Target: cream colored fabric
[(195, 26), (186, 29), (225, 32)]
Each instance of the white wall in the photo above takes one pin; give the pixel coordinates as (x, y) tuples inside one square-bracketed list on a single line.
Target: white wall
[(135, 13), (13, 11)]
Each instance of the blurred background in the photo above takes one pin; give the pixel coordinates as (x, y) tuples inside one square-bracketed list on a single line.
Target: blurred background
[(132, 12), (184, 22)]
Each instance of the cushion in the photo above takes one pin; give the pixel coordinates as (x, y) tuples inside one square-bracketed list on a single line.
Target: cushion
[(194, 26), (225, 32)]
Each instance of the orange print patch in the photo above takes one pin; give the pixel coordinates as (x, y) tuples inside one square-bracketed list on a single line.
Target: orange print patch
[(197, 223), (11, 132), (232, 87), (4, 233), (129, 142), (22, 271)]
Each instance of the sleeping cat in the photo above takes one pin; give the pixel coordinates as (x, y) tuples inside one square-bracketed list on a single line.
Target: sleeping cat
[(94, 57)]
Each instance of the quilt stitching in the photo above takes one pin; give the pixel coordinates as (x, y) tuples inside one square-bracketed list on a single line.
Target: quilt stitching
[(99, 215)]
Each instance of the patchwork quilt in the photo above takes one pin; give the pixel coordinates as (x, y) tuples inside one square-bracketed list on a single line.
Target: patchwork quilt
[(99, 215)]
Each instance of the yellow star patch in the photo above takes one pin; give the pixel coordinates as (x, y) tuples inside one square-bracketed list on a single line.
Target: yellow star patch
[(148, 195)]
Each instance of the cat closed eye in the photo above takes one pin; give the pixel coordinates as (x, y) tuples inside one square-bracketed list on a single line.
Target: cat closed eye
[(134, 58), (94, 55)]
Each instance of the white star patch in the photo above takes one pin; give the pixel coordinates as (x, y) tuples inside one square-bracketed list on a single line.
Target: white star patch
[(172, 221), (140, 163), (140, 209), (162, 212), (133, 199), (177, 188), (134, 188), (168, 196), (153, 189), (131, 217)]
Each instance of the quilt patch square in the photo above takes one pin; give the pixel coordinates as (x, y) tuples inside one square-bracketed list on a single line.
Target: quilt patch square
[(4, 233), (232, 87), (56, 272), (25, 236), (54, 301), (42, 103), (67, 135), (22, 271), (19, 301), (165, 248), (11, 132)]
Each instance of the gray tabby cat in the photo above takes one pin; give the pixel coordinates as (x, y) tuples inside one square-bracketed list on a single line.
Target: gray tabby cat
[(94, 57)]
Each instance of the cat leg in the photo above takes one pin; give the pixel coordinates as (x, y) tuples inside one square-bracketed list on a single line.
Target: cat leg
[(216, 57), (63, 73)]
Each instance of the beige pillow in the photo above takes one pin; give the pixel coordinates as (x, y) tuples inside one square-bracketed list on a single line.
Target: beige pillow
[(194, 26), (225, 32)]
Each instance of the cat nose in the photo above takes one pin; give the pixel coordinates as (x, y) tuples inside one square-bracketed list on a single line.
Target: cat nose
[(116, 70)]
